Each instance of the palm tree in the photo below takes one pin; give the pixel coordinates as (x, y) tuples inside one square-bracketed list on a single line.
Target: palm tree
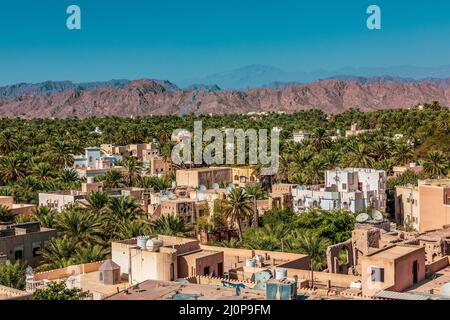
[(6, 215), (60, 154), (12, 168), (80, 226), (45, 215), (96, 201), (359, 156), (238, 207), (13, 275), (91, 253), (8, 142), (43, 171), (113, 179), (58, 253), (131, 164), (402, 153), (435, 164), (169, 225), (69, 176), (319, 139), (132, 229), (314, 246)]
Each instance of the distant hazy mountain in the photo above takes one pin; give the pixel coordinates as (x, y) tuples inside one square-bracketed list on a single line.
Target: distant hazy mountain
[(203, 87), (21, 89), (262, 76)]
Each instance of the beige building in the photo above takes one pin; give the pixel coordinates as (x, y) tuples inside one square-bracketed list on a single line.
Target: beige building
[(23, 241), (426, 206), (207, 177), (60, 199), (393, 268), (434, 204), (243, 175), (407, 209), (158, 166), (17, 208), (164, 258)]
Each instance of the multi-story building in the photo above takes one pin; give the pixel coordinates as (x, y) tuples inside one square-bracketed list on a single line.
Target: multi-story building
[(207, 177), (23, 241), (426, 206), (371, 182), (243, 175), (407, 209)]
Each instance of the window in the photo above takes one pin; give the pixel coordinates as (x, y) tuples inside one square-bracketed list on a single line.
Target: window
[(377, 274), (36, 246), (206, 271), (344, 186), (18, 252)]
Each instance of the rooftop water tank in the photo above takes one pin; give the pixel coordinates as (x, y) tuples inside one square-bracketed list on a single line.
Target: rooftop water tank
[(154, 244), (142, 241), (280, 273)]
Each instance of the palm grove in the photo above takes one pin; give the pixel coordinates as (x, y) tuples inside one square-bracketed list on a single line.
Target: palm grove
[(36, 155)]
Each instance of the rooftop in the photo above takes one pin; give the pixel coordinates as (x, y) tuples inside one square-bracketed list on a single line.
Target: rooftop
[(166, 290), (393, 252)]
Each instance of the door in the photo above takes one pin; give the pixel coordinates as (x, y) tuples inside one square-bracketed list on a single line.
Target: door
[(220, 269), (415, 271)]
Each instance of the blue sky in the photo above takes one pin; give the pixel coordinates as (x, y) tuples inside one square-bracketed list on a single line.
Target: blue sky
[(180, 39)]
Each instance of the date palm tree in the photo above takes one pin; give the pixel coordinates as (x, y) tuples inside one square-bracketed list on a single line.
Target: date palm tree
[(79, 225), (238, 207), (113, 179), (59, 252), (13, 274), (314, 246), (435, 164), (90, 253), (169, 225), (12, 168), (6, 215)]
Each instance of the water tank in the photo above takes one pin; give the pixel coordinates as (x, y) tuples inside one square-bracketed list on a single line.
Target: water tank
[(90, 179), (154, 244), (412, 165), (280, 273), (250, 263), (142, 241)]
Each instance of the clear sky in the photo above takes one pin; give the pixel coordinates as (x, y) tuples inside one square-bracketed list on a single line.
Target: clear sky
[(178, 39)]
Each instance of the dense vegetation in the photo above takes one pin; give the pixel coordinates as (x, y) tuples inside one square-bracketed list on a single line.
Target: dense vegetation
[(36, 155)]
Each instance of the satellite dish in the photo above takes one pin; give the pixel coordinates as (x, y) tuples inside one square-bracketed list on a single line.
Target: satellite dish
[(377, 216), (215, 186), (362, 217), (202, 188), (170, 194), (228, 190), (231, 186), (174, 184)]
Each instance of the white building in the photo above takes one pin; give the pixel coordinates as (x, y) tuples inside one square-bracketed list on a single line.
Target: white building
[(326, 198), (299, 136), (371, 182)]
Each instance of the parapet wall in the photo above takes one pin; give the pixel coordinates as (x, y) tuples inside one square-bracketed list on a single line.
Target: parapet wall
[(61, 273)]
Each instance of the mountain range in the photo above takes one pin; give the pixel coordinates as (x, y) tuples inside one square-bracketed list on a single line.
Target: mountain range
[(156, 97)]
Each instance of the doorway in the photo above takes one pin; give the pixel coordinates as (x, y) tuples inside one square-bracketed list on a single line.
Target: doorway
[(415, 271)]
